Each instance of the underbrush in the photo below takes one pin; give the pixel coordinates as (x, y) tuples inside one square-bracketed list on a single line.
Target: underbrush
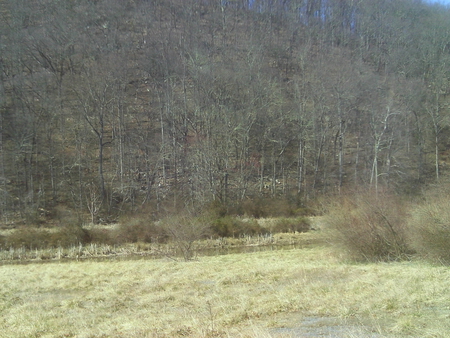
[(261, 207), (33, 238), (429, 226), (382, 227), (174, 235), (365, 226), (217, 220), (370, 227), (234, 227), (297, 224)]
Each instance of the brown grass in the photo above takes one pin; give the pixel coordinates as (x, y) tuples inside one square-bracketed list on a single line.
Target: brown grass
[(238, 295)]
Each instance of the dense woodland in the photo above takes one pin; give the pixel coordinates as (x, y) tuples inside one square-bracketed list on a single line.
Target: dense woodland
[(111, 106)]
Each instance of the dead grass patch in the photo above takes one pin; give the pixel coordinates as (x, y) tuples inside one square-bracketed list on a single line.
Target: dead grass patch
[(219, 296)]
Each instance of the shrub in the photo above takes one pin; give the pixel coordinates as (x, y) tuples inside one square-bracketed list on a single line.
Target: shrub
[(33, 238), (102, 236), (370, 227), (429, 227), (233, 227), (217, 209), (299, 224), (185, 230), (65, 215), (68, 235), (272, 207), (29, 238), (254, 208), (138, 230)]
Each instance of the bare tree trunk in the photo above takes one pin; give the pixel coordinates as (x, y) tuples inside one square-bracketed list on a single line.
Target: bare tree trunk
[(261, 176), (356, 162), (341, 152), (374, 172), (300, 165), (317, 161), (436, 153), (388, 162), (3, 179)]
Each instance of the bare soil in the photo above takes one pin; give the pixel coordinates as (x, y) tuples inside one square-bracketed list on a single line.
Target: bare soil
[(296, 325)]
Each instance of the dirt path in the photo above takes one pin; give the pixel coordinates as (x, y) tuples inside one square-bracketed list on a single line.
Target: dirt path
[(324, 327), (296, 325)]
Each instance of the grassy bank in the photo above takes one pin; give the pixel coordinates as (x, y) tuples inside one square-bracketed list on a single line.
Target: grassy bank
[(172, 249), (236, 295)]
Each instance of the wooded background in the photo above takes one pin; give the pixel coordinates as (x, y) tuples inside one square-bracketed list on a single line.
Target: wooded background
[(108, 106)]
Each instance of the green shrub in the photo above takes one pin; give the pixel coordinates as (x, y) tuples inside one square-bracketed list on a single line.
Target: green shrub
[(429, 227), (370, 227), (299, 224)]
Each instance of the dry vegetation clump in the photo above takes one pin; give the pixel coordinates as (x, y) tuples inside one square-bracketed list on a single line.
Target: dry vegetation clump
[(34, 238), (68, 236), (370, 226), (429, 226), (260, 207), (184, 231), (103, 235), (297, 224), (234, 227), (263, 207), (179, 235), (27, 237), (139, 230)]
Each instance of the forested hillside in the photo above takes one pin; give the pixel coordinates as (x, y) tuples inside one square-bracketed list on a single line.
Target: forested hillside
[(108, 106)]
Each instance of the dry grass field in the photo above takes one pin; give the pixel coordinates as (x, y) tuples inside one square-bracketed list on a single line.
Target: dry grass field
[(260, 294)]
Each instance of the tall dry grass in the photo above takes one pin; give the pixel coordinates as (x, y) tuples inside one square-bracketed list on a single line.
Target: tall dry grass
[(239, 295)]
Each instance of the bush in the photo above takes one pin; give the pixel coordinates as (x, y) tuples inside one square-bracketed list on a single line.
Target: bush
[(233, 227), (139, 230), (254, 208), (272, 207), (299, 224), (102, 236), (370, 227), (29, 238), (185, 230), (65, 215), (68, 235), (33, 238), (429, 227)]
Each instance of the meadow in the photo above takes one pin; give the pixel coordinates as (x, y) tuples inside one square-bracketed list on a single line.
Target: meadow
[(259, 294)]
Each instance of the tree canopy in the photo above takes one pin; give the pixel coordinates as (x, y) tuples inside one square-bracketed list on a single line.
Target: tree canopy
[(110, 106)]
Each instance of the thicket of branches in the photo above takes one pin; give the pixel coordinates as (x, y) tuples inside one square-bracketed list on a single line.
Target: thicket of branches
[(110, 105)]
